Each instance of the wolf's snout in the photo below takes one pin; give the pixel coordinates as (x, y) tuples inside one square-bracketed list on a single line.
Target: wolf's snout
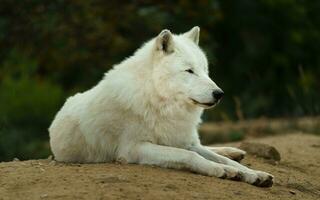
[(217, 94)]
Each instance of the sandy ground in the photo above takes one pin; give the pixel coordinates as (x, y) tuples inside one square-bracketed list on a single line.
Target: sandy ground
[(297, 176)]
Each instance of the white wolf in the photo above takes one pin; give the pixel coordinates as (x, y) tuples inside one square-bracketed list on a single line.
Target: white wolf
[(146, 110)]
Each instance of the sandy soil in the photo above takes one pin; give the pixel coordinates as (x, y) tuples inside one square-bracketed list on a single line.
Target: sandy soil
[(297, 176)]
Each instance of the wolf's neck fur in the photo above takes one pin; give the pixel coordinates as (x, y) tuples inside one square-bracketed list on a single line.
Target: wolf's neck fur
[(144, 100)]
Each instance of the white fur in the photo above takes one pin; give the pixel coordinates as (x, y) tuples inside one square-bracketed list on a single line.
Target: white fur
[(146, 110)]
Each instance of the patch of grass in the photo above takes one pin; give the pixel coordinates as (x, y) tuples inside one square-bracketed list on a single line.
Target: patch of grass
[(236, 135)]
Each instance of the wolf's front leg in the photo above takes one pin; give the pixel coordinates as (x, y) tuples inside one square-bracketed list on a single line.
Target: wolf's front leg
[(254, 177), (229, 152), (170, 157)]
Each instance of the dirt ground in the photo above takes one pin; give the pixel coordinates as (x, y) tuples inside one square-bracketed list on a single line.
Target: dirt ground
[(297, 176)]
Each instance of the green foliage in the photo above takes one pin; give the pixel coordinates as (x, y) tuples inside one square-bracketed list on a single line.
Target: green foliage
[(236, 135), (27, 105), (269, 53), (264, 54)]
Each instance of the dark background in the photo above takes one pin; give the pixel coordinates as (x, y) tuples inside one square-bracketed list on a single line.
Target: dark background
[(264, 54)]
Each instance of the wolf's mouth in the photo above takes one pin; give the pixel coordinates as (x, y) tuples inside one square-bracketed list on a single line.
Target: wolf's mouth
[(210, 104)]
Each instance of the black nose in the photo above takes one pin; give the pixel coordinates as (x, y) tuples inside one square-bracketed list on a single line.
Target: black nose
[(217, 94)]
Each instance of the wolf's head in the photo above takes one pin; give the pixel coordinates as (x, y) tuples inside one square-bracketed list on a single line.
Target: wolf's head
[(181, 69)]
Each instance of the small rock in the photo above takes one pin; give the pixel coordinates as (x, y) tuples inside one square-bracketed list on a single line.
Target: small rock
[(43, 196), (292, 192), (112, 179), (50, 157), (237, 193), (16, 159), (121, 161), (261, 150), (315, 145), (53, 162), (171, 187)]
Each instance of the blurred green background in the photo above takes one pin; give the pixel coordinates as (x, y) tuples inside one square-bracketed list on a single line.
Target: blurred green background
[(265, 54)]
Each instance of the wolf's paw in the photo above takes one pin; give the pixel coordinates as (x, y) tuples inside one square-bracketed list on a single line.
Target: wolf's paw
[(258, 178), (231, 173), (264, 179), (233, 153)]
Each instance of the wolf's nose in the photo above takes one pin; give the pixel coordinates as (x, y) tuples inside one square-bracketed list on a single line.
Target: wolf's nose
[(217, 94)]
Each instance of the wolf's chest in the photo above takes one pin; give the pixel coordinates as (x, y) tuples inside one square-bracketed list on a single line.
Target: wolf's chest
[(175, 134)]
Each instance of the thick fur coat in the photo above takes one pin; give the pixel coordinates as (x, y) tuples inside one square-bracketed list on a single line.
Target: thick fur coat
[(146, 110)]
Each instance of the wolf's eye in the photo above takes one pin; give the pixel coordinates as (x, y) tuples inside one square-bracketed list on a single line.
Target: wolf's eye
[(190, 71)]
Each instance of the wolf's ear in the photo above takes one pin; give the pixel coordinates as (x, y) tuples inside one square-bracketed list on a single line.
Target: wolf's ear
[(193, 34), (164, 41)]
